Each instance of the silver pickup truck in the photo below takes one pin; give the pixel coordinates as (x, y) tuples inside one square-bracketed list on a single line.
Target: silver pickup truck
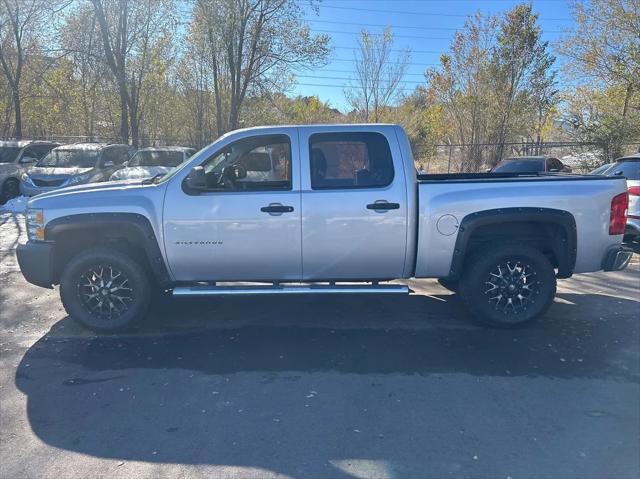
[(341, 211)]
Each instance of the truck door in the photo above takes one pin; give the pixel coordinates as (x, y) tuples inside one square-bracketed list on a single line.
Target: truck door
[(246, 225), (354, 206)]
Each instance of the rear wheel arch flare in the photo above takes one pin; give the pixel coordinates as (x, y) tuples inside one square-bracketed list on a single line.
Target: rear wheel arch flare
[(557, 228)]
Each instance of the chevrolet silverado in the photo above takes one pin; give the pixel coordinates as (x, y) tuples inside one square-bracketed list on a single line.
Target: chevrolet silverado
[(342, 210)]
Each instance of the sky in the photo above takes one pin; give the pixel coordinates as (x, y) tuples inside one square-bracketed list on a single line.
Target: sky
[(424, 26)]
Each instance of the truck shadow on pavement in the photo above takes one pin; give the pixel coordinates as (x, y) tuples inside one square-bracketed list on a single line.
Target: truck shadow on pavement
[(248, 379)]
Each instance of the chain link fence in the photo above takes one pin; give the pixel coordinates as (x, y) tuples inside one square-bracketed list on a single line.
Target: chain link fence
[(580, 156)]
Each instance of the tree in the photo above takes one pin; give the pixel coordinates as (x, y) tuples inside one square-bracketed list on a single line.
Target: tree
[(497, 74), (520, 59), (594, 117), (603, 52), (378, 74), (604, 46), (133, 34), (20, 24), (253, 46), (80, 38), (462, 85)]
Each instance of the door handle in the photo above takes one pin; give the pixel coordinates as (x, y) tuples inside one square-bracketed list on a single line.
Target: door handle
[(383, 206), (276, 208)]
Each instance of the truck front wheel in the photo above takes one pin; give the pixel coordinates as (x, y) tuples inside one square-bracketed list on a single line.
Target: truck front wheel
[(105, 290), (508, 285)]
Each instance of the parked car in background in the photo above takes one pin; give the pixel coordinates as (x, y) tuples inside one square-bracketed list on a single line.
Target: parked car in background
[(531, 164), (75, 164), (629, 167), (15, 157), (150, 162)]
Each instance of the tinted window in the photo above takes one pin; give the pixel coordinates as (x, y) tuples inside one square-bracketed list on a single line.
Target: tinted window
[(519, 166), (8, 154), (555, 164), (350, 160), (115, 154), (37, 151), (76, 158), (260, 163), (157, 158), (629, 169)]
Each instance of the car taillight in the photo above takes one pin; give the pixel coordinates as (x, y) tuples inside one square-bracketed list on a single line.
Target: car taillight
[(634, 190), (618, 218)]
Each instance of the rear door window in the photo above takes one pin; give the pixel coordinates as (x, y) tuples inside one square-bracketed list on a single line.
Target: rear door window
[(350, 160)]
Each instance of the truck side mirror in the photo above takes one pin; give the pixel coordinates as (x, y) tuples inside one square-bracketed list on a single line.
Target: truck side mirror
[(27, 160), (197, 179)]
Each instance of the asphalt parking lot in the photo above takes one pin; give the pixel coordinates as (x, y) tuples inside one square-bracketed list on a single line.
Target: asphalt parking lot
[(348, 387)]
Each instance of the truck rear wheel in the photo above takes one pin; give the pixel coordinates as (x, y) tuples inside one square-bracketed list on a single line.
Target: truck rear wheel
[(509, 285), (105, 290)]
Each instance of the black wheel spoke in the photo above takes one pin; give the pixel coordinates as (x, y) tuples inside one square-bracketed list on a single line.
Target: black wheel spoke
[(105, 292), (511, 287)]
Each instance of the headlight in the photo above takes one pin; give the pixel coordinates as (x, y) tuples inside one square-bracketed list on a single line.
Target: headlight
[(35, 224), (26, 178), (74, 180)]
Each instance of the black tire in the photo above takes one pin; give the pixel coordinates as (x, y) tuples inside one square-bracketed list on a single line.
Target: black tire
[(508, 286), (89, 284), (10, 189), (452, 285)]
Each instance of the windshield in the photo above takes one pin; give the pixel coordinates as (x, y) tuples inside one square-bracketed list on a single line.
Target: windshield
[(519, 166), (179, 168), (601, 170), (9, 153), (70, 158), (156, 158)]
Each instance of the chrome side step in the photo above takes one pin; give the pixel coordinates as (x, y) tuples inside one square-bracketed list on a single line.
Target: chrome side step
[(302, 289)]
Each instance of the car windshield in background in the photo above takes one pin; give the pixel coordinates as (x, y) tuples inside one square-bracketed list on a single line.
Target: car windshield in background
[(602, 170), (156, 158), (629, 169), (8, 154), (519, 166), (70, 159)]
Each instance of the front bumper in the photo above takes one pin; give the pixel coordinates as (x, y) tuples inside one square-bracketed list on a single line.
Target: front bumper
[(617, 258), (36, 262)]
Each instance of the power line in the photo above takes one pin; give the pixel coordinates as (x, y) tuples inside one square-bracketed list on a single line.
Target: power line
[(324, 85), (415, 37), (424, 14), (328, 70), (396, 50), (410, 63), (410, 27), (416, 82)]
